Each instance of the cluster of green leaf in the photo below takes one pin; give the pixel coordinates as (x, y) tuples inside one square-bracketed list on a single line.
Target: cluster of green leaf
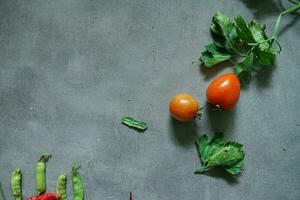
[(236, 39), (246, 42), (218, 153)]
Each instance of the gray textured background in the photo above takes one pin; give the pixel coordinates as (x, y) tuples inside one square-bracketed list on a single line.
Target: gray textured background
[(69, 69)]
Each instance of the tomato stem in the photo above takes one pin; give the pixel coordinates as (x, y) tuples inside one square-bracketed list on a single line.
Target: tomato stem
[(215, 107), (199, 113)]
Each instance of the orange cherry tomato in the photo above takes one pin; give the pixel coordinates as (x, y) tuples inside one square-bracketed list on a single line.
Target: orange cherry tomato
[(184, 107), (224, 91)]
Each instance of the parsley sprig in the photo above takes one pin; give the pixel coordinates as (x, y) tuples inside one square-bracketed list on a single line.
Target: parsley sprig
[(220, 153), (235, 39)]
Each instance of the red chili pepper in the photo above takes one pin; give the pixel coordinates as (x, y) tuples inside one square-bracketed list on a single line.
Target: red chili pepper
[(130, 196), (46, 196)]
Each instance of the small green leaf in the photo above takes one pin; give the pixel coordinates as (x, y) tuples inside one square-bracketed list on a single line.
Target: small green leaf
[(232, 34), (265, 57), (243, 30), (243, 70), (217, 139), (218, 153), (215, 28), (202, 143), (235, 169), (258, 34), (216, 143), (228, 154), (213, 55), (133, 123), (206, 149), (212, 48), (265, 54), (210, 61), (219, 23), (223, 26)]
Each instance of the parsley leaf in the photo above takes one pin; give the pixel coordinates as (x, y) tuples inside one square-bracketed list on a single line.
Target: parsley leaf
[(243, 70), (231, 37), (133, 123), (218, 153), (235, 169), (237, 38), (243, 30), (219, 23), (259, 35), (265, 57), (213, 55), (224, 27)]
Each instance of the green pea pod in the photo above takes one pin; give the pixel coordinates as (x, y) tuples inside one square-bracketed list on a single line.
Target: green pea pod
[(61, 185), (2, 195), (78, 188), (40, 173), (16, 184)]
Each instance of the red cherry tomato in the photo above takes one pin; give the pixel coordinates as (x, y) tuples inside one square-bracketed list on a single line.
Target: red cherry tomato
[(224, 91), (184, 107)]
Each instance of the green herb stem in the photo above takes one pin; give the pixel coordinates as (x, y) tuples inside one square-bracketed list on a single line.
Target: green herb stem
[(294, 1), (286, 12), (278, 43), (274, 36)]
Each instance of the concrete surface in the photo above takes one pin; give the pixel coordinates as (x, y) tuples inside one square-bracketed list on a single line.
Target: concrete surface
[(71, 68)]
